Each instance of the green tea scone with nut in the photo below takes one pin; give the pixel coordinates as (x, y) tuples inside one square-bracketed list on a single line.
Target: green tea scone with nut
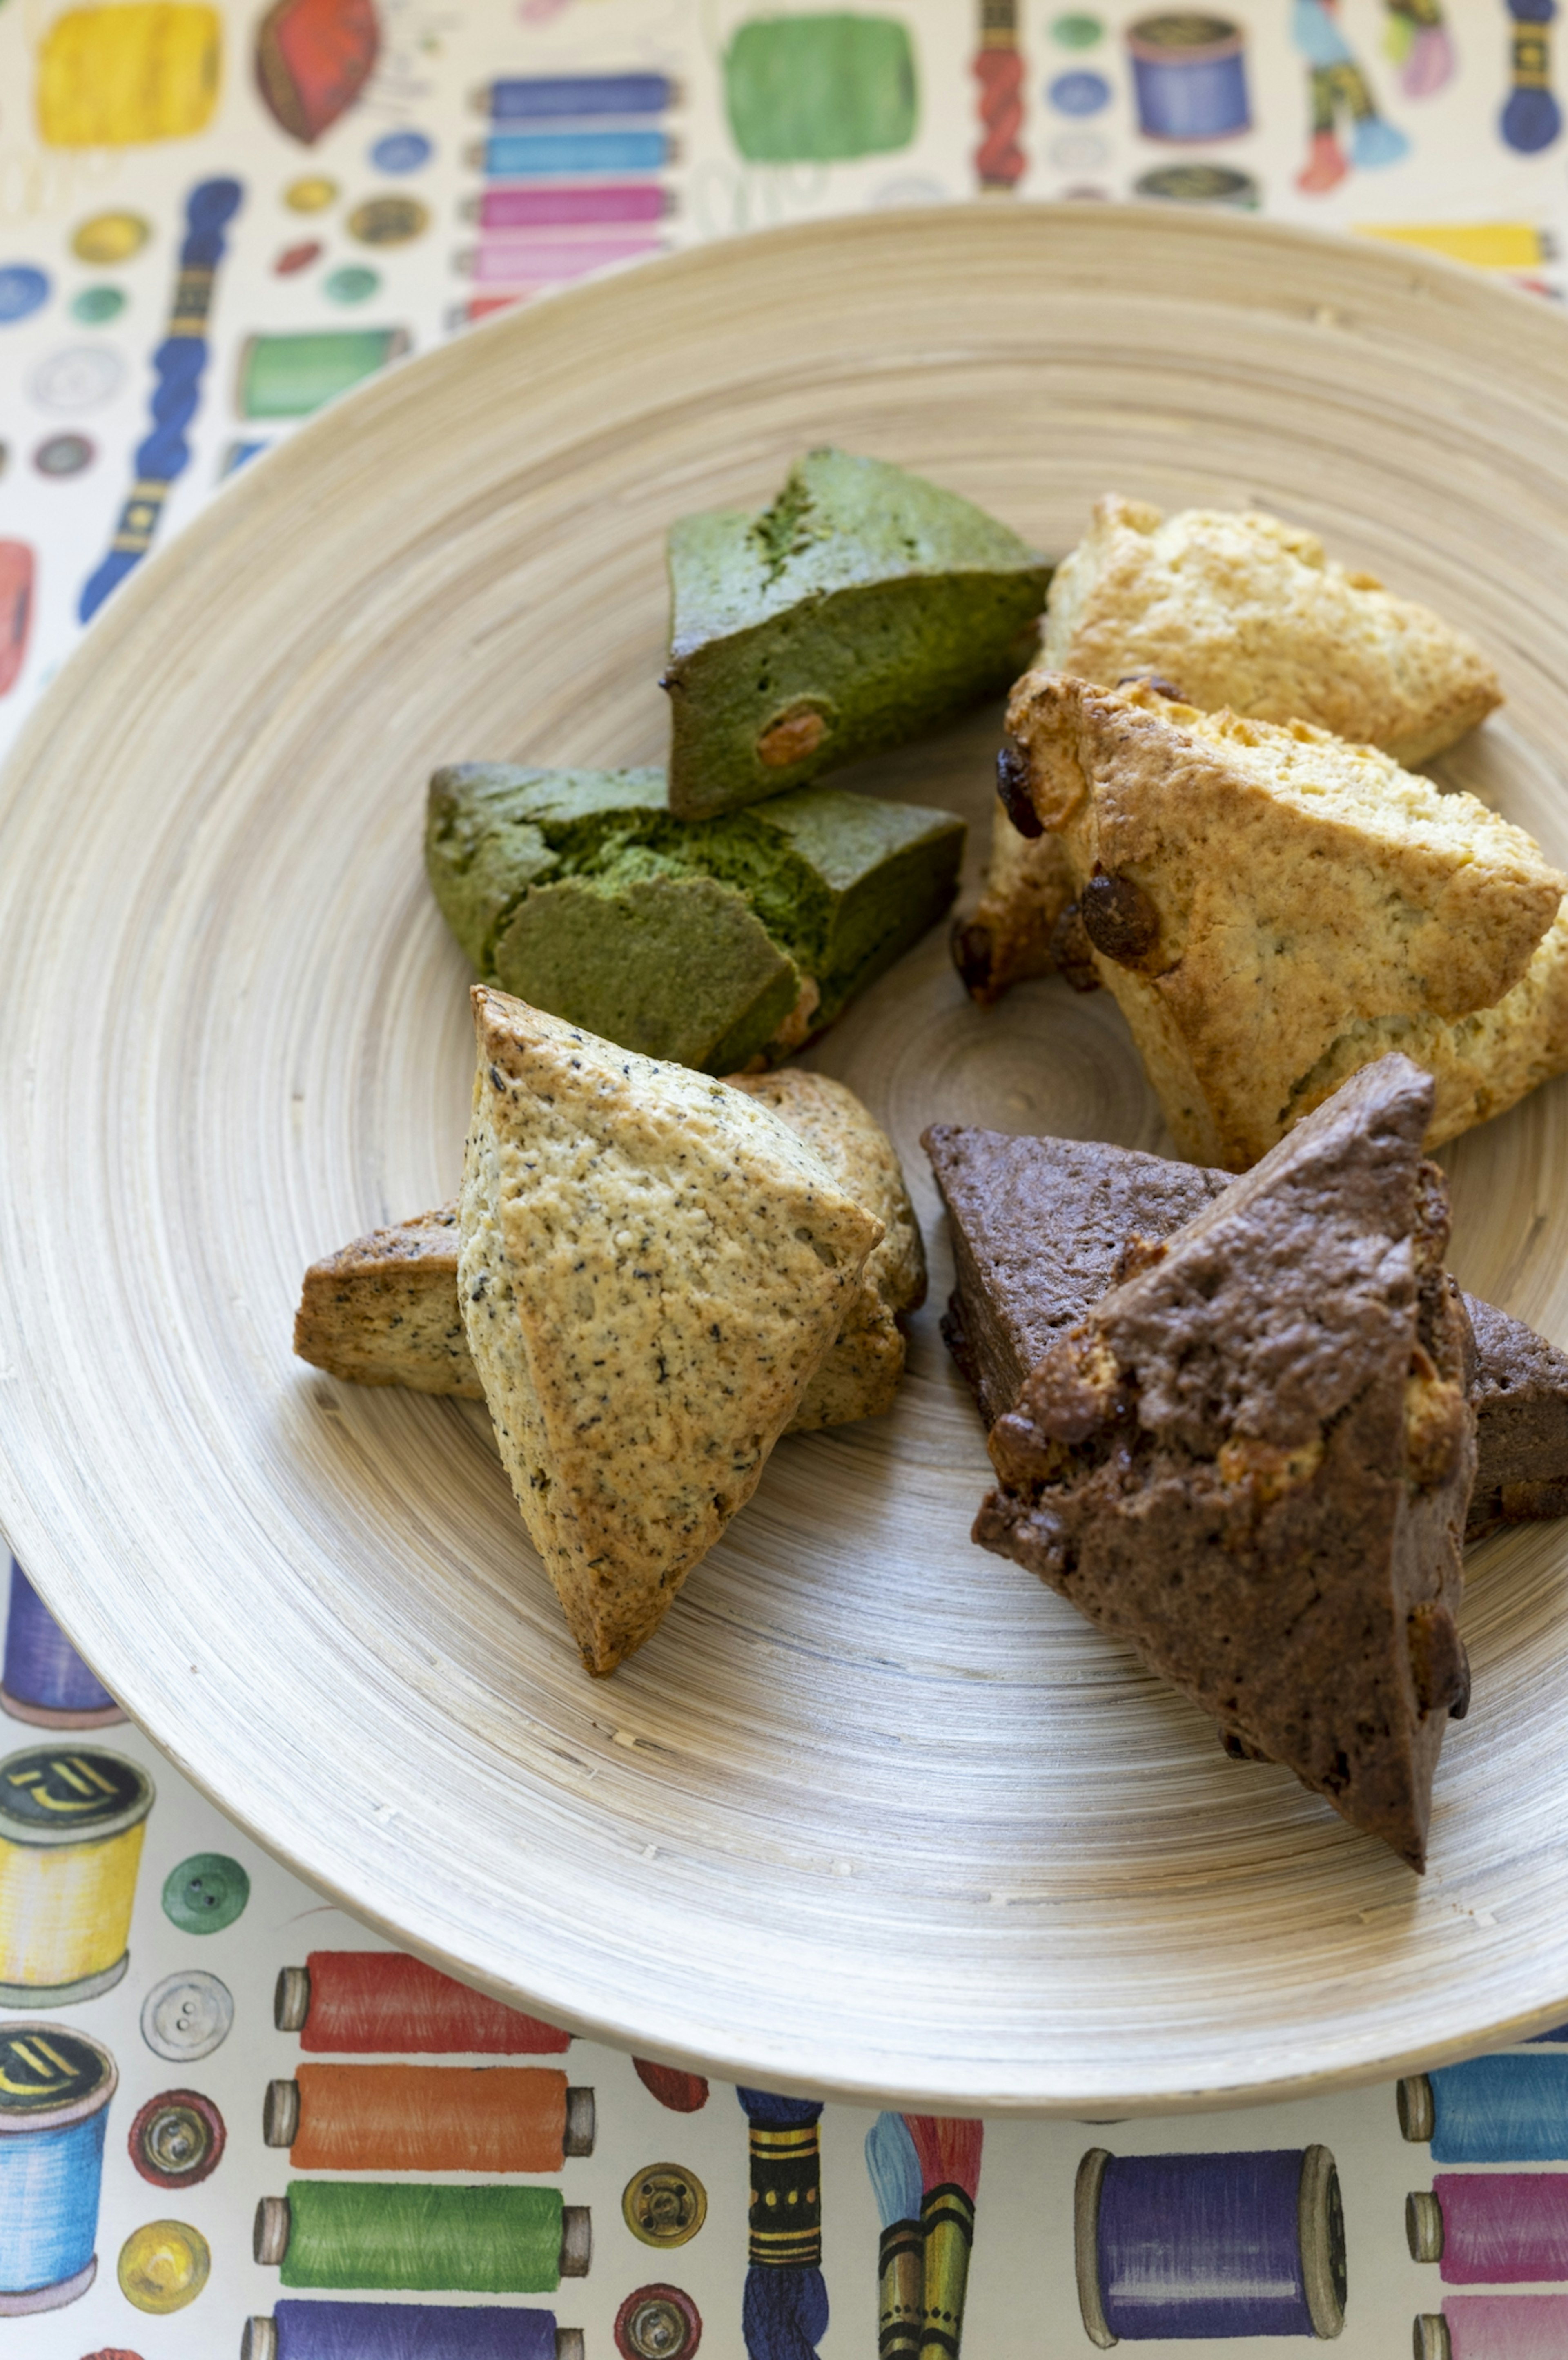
[(717, 943), (862, 606)]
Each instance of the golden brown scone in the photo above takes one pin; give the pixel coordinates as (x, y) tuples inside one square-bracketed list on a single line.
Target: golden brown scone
[(1273, 908), (859, 1376), (384, 1310), (1245, 612), (1234, 611), (653, 1265)]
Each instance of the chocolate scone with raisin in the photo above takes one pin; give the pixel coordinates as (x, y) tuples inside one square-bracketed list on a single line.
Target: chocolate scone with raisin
[(1252, 1459), (1039, 1229)]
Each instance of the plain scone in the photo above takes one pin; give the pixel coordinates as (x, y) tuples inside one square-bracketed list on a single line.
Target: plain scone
[(1274, 908), (653, 1266), (384, 1310), (1237, 611)]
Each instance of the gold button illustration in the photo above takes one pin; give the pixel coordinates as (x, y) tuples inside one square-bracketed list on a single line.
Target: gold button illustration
[(664, 2204)]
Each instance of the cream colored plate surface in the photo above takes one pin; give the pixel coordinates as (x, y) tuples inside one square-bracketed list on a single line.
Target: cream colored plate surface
[(874, 1812)]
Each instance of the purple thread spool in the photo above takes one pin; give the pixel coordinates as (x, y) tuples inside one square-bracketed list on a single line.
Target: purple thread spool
[(46, 1681), (1188, 2245), (1189, 76), (1493, 2228), (1494, 2327), (407, 2330)]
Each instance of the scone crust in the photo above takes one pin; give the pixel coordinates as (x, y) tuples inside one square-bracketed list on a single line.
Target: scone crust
[(1248, 612), (383, 1310)]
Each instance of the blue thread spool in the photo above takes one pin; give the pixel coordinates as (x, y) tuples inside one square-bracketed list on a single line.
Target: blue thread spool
[(55, 2088), (1490, 2109), (1209, 2244), (45, 1680), (407, 2330), (532, 98), (1189, 76)]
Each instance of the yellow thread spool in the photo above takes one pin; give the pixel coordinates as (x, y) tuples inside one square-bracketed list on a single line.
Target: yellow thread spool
[(71, 1823), (140, 70)]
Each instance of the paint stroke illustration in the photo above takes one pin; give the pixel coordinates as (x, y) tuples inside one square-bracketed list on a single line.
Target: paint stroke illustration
[(291, 376), (1226, 2245), (17, 573), (784, 2310), (1494, 2327), (1189, 76), (1531, 117), (428, 2118), (313, 57), (72, 1824), (1340, 98), (404, 2331), (895, 2170), (383, 2003), (1490, 2110), (1416, 39), (682, 2093), (131, 72), (55, 2088), (45, 1680), (998, 69), (658, 2322), (821, 89), (179, 365), (949, 2153), (177, 2139), (422, 2236)]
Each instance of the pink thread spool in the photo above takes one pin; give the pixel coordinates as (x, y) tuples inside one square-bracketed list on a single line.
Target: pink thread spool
[(1494, 2327), (1498, 2228)]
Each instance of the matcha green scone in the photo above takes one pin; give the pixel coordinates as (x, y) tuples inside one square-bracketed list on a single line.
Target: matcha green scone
[(715, 944), (865, 606)]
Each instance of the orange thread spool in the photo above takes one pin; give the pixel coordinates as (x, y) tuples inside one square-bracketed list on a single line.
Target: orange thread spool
[(428, 2118)]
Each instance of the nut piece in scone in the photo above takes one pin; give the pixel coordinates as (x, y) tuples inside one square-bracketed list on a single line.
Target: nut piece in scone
[(384, 1311), (1226, 610), (1247, 612), (1251, 1460), (653, 1266), (1274, 908)]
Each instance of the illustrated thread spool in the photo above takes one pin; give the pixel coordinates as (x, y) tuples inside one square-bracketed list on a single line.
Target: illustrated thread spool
[(1495, 2228), (71, 1823), (45, 1680), (1490, 2109), (1187, 2245), (428, 2118), (291, 376), (382, 2003), (1494, 2327), (1189, 76), (536, 98), (55, 2088), (386, 2233), (407, 2330)]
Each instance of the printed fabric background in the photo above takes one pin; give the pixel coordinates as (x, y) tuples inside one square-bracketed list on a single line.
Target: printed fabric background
[(232, 2120)]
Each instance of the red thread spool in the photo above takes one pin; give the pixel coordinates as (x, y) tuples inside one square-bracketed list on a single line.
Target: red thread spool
[(684, 2093), (428, 2118), (383, 2003)]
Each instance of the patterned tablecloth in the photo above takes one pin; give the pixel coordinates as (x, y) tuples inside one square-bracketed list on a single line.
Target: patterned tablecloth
[(222, 2102)]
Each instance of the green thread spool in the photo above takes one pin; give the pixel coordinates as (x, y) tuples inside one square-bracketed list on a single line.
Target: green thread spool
[(291, 376), (388, 2235)]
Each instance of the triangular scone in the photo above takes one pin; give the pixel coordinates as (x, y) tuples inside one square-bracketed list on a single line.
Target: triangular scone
[(652, 1267), (1274, 908), (1243, 611), (1041, 1229), (384, 1310), (1251, 1461)]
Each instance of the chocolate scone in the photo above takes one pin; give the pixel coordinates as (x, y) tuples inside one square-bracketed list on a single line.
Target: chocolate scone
[(1251, 1460), (1039, 1228)]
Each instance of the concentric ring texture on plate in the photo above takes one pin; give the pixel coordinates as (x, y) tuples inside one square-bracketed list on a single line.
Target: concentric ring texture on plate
[(873, 1813)]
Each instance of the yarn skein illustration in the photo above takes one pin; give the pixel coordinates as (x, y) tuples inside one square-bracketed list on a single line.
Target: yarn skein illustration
[(895, 2170), (784, 2311), (1531, 117)]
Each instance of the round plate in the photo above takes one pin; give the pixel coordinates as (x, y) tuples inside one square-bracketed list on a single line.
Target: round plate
[(874, 1814)]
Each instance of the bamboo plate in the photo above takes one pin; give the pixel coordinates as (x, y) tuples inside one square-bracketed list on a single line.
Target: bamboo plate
[(875, 1814)]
